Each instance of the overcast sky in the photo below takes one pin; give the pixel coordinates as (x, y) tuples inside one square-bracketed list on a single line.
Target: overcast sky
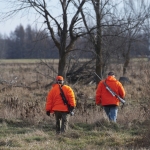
[(31, 17), (23, 18), (10, 25)]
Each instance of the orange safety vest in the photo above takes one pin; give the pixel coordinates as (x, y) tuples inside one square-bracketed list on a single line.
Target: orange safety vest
[(54, 100), (104, 97)]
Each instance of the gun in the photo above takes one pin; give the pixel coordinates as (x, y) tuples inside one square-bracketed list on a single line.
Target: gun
[(65, 101), (111, 91)]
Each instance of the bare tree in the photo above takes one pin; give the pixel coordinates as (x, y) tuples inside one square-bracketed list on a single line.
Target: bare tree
[(63, 29), (109, 20), (103, 19), (121, 20), (135, 13)]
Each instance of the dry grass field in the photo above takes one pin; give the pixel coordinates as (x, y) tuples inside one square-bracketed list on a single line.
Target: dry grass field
[(25, 126)]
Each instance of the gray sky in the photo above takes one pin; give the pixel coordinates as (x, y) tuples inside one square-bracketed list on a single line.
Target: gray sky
[(23, 18), (32, 17), (10, 25)]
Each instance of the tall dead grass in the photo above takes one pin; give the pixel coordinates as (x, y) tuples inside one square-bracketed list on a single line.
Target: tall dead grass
[(23, 94)]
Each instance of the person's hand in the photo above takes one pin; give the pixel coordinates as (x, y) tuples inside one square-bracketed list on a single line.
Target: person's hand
[(98, 104), (48, 113), (72, 108)]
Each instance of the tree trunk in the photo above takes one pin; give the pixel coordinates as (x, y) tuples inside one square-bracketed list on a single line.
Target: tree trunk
[(98, 49), (62, 65), (127, 59)]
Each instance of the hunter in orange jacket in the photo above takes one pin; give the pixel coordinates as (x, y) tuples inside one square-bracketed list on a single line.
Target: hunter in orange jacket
[(54, 99), (105, 98), (55, 104)]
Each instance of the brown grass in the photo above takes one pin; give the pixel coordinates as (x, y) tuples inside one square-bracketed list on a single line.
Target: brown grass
[(22, 103)]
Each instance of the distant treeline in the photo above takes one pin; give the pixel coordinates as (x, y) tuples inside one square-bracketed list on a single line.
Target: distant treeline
[(31, 43), (28, 43)]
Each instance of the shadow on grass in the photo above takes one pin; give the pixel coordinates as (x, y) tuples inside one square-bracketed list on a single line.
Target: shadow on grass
[(14, 123), (21, 127)]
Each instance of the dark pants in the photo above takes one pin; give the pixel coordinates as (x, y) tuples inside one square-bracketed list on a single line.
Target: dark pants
[(62, 120), (111, 111)]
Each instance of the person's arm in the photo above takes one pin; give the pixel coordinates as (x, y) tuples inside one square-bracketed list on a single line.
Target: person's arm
[(98, 93), (121, 91), (70, 96), (48, 106)]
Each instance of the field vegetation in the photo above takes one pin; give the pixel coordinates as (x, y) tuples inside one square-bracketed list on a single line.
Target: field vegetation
[(25, 126)]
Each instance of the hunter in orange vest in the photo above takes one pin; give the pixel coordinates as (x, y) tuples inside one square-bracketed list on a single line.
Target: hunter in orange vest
[(55, 104), (104, 97)]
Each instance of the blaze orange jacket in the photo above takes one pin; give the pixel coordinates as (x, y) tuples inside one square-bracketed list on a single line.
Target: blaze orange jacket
[(103, 97), (54, 100)]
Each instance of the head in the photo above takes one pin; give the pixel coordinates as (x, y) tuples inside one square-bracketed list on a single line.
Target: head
[(59, 80), (111, 74)]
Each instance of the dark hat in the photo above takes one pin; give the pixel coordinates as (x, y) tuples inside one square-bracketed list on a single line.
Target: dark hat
[(111, 73), (59, 78)]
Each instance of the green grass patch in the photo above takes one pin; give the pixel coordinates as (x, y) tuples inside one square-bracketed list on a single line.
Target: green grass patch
[(82, 126), (35, 138), (25, 61), (80, 136), (140, 59)]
